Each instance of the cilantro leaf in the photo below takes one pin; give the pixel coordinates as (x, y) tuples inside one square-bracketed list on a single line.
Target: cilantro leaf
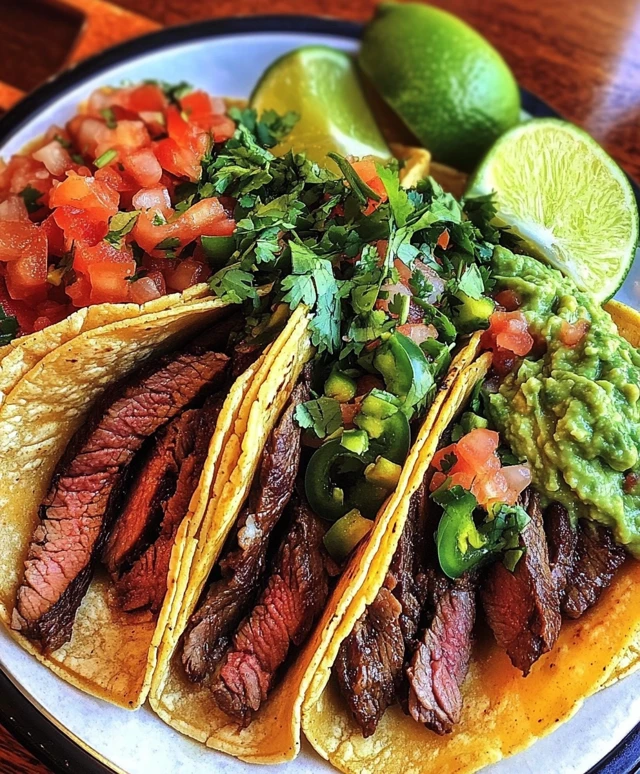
[(362, 191), (170, 243), (233, 285), (401, 206), (323, 416), (8, 327), (120, 225), (471, 282), (31, 197)]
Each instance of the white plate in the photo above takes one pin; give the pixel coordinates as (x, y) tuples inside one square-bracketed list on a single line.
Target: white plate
[(139, 743)]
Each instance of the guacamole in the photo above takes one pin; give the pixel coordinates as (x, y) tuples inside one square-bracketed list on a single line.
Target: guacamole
[(573, 413)]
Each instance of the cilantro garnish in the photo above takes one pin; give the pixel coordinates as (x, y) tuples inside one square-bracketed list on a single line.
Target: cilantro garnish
[(322, 415), (170, 243), (8, 327), (31, 197), (109, 117), (120, 225)]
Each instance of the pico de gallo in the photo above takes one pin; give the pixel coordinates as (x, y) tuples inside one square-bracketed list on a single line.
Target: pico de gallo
[(95, 211)]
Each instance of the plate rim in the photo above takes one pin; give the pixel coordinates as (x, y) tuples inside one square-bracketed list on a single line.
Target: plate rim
[(39, 734)]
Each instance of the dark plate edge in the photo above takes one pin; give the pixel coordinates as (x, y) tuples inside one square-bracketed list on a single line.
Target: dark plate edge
[(18, 714)]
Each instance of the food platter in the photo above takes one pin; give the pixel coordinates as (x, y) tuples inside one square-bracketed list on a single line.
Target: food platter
[(75, 732)]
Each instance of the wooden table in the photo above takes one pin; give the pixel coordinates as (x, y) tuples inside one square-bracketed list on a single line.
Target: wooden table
[(581, 56)]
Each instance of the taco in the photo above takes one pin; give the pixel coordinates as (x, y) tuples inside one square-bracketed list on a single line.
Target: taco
[(467, 648), (253, 621), (110, 445)]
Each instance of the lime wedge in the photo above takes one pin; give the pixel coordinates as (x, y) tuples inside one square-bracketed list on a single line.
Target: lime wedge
[(559, 190), (321, 85)]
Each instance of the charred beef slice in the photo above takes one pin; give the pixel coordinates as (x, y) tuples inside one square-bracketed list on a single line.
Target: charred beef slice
[(561, 540), (228, 599), (139, 549), (522, 607), (597, 558), (371, 657), (440, 662), (295, 594), (370, 660), (75, 513)]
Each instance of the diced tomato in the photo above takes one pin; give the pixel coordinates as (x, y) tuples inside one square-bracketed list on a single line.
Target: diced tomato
[(125, 137), (510, 331), (178, 160), (79, 291), (146, 97), (473, 463), (206, 218), (366, 170), (110, 281), (478, 446), (55, 236), (85, 256), (24, 313), (143, 290), (55, 158), (571, 334), (50, 312), (98, 200), (27, 276), (86, 133), (187, 273), (13, 208), (443, 239), (143, 166), (77, 226), (349, 411), (18, 238), (509, 299)]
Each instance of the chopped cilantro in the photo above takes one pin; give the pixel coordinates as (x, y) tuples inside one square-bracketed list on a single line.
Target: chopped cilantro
[(31, 197), (109, 117), (8, 327), (362, 191), (323, 416), (120, 225), (170, 243), (106, 158)]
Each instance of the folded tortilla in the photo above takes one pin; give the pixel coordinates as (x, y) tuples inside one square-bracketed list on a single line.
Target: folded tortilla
[(111, 654), (503, 711), (21, 355), (274, 733)]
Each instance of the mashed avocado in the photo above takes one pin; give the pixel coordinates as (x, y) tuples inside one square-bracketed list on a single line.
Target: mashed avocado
[(574, 413)]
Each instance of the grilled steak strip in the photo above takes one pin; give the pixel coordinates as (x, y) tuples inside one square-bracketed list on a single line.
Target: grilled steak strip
[(597, 558), (522, 607), (370, 660), (561, 540), (243, 563), (294, 597), (440, 662), (75, 513), (184, 448)]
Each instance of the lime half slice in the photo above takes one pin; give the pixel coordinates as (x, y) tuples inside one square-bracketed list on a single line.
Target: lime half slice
[(559, 190), (321, 85)]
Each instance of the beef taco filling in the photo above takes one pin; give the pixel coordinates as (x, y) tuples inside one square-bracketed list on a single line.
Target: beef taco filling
[(122, 489)]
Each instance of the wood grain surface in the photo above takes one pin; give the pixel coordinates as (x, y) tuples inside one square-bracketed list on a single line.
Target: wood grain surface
[(581, 56)]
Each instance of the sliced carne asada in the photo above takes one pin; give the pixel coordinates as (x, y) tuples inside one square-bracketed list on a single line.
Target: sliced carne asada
[(243, 562), (141, 574), (522, 606), (410, 578), (293, 598), (440, 662), (561, 540), (370, 660), (75, 515), (597, 559)]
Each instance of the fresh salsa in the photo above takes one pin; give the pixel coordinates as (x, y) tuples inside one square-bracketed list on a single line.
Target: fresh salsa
[(95, 211)]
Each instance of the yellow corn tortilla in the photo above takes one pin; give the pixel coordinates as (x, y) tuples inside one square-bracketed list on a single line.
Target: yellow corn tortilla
[(503, 711), (274, 734), (21, 355), (111, 654)]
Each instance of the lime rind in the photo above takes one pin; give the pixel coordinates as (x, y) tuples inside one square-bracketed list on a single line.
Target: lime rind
[(567, 199), (322, 85)]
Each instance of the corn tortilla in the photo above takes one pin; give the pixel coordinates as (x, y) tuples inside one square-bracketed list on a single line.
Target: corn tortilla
[(503, 712), (111, 654), (274, 734)]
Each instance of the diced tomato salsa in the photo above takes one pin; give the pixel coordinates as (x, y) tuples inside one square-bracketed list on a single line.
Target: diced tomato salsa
[(473, 464), (64, 201)]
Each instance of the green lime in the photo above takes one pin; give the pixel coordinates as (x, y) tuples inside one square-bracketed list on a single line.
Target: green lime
[(560, 191), (321, 85), (445, 81)]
